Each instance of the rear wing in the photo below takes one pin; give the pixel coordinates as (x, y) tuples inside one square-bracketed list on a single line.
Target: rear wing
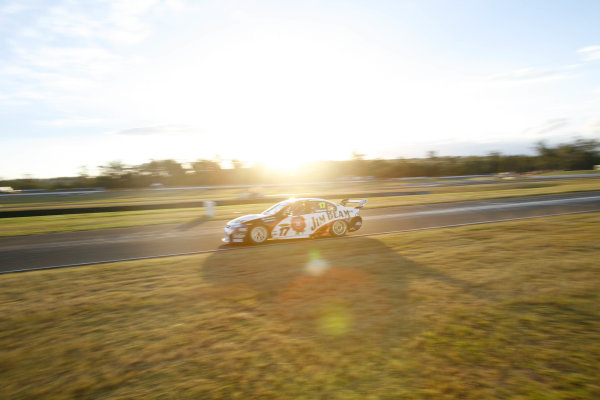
[(359, 203)]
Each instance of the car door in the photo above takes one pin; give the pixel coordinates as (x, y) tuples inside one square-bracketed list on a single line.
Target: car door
[(294, 225), (317, 214)]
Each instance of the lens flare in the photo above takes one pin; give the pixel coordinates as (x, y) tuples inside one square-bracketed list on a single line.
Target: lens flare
[(316, 266), (335, 320)]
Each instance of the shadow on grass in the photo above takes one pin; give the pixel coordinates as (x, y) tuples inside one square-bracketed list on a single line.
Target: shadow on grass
[(193, 223), (344, 287)]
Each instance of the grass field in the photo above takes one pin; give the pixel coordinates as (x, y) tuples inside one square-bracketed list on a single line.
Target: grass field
[(79, 222), (502, 311), (576, 172), (154, 196), (489, 191)]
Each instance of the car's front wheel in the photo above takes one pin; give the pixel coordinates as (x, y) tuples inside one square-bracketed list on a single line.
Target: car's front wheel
[(258, 234), (339, 228)]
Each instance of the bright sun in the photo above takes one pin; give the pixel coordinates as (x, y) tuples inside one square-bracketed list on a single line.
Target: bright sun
[(284, 164)]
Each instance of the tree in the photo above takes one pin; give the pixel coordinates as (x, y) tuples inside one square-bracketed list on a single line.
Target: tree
[(206, 172), (358, 165), (114, 175), (581, 154), (237, 164), (84, 172), (205, 166), (114, 169)]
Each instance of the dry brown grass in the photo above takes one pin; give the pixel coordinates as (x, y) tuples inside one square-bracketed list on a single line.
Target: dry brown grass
[(494, 311)]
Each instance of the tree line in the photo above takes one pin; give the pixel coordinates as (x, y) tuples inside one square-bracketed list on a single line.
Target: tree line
[(581, 154)]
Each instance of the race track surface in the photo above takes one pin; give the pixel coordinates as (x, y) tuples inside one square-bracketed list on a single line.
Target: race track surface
[(59, 249)]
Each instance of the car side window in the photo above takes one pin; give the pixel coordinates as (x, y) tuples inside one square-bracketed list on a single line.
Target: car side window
[(331, 207), (299, 208), (318, 206)]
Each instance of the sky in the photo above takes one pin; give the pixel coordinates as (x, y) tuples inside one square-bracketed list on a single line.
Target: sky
[(83, 83)]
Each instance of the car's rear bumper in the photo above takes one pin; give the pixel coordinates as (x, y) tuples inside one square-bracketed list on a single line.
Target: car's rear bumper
[(355, 224)]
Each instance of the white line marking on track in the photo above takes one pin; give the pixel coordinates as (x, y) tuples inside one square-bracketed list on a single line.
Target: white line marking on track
[(486, 207), (116, 239)]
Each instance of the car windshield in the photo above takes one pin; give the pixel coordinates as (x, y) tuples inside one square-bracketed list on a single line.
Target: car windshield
[(276, 208)]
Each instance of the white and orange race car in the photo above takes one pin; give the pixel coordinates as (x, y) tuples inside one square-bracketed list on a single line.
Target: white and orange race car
[(296, 219)]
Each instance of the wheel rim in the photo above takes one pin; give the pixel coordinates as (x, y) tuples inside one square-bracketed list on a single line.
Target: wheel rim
[(259, 234), (339, 228)]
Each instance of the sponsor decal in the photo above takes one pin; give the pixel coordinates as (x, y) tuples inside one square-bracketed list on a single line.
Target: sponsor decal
[(338, 214), (323, 218), (284, 229), (270, 221), (298, 224), (318, 221), (323, 230)]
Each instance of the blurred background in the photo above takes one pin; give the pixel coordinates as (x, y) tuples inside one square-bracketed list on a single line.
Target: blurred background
[(112, 89)]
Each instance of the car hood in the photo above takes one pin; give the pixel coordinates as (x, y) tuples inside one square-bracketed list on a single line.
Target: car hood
[(246, 218)]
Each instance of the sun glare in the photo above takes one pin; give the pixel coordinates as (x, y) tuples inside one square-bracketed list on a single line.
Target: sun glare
[(284, 164)]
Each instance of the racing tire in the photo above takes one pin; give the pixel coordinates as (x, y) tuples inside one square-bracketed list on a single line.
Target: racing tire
[(258, 234), (339, 228)]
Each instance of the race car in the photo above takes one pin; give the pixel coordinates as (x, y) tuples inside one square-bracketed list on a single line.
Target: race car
[(296, 219)]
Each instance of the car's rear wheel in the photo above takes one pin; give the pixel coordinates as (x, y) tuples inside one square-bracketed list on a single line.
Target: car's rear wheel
[(258, 234), (339, 228)]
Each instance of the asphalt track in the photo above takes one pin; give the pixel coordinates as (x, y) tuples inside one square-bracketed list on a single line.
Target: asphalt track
[(22, 253)]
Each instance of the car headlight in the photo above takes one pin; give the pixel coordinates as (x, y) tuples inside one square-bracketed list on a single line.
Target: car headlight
[(235, 225)]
